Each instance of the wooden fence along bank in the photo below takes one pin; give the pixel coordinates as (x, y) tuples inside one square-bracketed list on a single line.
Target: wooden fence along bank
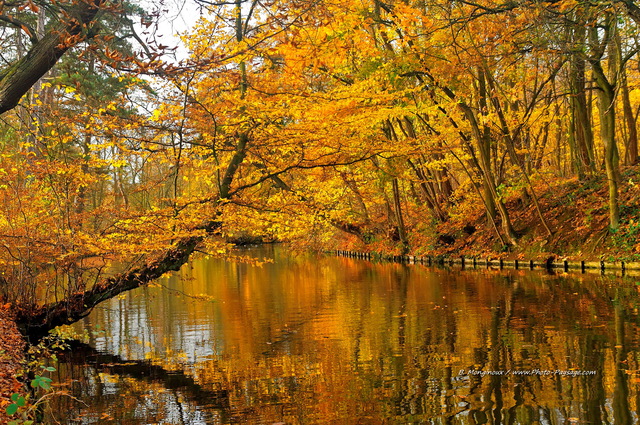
[(552, 264)]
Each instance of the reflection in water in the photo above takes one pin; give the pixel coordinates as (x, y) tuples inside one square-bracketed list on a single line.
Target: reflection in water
[(325, 340)]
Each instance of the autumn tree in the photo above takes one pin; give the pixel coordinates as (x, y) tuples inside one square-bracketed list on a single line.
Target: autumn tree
[(208, 173), (76, 22), (368, 124)]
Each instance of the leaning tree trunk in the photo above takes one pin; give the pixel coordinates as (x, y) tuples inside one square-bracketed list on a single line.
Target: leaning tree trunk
[(36, 322), (483, 142), (20, 76)]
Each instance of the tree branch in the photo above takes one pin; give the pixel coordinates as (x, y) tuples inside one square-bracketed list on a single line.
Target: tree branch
[(44, 54), (37, 321), (22, 26)]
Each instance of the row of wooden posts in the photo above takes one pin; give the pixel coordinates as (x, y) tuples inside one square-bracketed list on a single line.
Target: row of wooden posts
[(474, 262)]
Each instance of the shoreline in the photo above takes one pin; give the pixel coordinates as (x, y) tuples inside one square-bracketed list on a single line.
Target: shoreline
[(627, 268)]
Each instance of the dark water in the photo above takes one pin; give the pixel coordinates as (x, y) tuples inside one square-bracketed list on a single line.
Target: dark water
[(328, 340)]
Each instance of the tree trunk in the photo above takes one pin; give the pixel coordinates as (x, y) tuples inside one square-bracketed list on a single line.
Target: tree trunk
[(435, 186), (398, 213), (607, 111), (631, 154), (581, 132), (481, 161), (607, 130), (19, 77), (428, 192), (483, 141), (511, 149), (243, 137), (37, 321)]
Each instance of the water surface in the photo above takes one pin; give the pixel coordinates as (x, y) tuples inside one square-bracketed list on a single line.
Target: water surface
[(311, 339)]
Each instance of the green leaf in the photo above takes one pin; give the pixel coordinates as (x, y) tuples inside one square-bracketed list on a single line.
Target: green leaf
[(11, 409), (42, 382), (16, 396), (50, 369), (21, 401)]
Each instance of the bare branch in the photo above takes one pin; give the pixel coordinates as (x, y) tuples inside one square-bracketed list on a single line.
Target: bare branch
[(26, 28)]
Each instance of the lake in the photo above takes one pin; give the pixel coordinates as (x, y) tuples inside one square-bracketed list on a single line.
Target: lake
[(317, 339)]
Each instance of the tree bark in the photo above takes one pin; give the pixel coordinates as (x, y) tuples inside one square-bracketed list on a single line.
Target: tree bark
[(631, 156), (398, 213), (582, 133), (35, 322), (606, 98), (20, 76), (607, 110)]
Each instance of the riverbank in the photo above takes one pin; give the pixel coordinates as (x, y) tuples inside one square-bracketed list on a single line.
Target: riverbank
[(462, 262), (12, 346), (576, 212)]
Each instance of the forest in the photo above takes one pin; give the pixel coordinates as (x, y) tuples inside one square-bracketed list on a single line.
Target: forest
[(408, 126)]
